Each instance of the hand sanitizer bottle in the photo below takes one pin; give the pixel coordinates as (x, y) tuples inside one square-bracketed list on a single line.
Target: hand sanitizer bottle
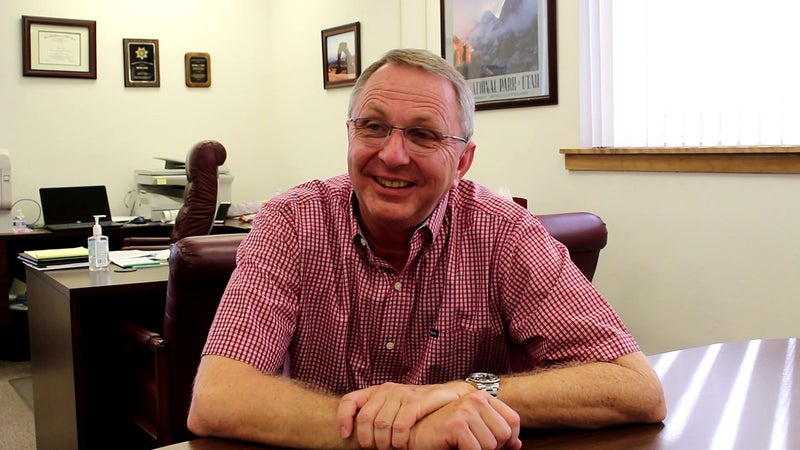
[(18, 224), (98, 247)]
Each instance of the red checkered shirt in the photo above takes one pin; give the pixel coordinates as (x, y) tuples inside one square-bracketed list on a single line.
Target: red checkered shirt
[(485, 288)]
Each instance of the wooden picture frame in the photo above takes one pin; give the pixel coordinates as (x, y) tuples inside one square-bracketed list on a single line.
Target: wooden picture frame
[(53, 47), (198, 69), (477, 42), (142, 65), (341, 55)]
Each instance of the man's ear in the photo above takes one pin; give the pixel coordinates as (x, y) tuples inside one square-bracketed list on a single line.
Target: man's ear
[(465, 162)]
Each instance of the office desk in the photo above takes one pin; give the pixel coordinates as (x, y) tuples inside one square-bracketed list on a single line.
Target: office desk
[(12, 244), (74, 316), (737, 395)]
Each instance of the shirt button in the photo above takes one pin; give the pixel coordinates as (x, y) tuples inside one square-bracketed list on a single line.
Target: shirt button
[(390, 346), (363, 242), (398, 285)]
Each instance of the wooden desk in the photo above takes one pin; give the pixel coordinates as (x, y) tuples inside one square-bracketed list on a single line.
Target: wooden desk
[(12, 244), (74, 316), (737, 395)]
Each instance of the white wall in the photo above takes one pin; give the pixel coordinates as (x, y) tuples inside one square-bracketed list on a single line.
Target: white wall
[(266, 103), (692, 258)]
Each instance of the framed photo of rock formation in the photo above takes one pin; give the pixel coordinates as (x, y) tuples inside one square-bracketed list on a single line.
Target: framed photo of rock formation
[(506, 49), (341, 55)]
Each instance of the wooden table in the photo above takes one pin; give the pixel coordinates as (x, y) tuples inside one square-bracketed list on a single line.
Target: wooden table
[(736, 395)]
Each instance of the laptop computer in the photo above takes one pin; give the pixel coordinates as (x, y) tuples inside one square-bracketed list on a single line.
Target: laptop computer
[(74, 207)]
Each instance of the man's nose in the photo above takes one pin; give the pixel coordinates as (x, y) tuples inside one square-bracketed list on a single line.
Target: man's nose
[(394, 151)]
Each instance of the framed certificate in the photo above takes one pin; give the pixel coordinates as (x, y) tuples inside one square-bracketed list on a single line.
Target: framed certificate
[(58, 48), (141, 62)]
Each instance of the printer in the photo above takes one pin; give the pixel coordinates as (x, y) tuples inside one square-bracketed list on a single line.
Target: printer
[(159, 192)]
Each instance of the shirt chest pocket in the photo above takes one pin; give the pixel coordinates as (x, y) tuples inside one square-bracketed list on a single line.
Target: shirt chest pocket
[(476, 336)]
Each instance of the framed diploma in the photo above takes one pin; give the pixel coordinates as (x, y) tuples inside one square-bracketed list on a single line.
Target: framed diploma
[(506, 50), (58, 48), (341, 55), (141, 62), (198, 69)]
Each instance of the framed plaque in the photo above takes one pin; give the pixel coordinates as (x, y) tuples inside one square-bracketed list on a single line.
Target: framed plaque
[(341, 55), (505, 50), (58, 48), (141, 62), (198, 69)]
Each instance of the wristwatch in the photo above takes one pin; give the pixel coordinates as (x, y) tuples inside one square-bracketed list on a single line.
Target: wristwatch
[(487, 382)]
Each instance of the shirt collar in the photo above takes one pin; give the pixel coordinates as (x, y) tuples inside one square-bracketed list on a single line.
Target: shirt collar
[(436, 219), (433, 223)]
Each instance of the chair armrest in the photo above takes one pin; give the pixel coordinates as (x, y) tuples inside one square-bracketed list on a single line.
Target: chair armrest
[(145, 243), (142, 339), (146, 375)]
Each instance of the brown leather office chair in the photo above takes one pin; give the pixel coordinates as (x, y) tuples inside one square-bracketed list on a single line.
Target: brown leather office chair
[(196, 216), (158, 367)]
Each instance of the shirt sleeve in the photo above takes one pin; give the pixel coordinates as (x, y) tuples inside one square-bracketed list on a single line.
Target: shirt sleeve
[(257, 314), (555, 314)]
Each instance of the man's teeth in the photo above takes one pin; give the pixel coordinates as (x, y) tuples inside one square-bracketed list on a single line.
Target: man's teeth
[(393, 184)]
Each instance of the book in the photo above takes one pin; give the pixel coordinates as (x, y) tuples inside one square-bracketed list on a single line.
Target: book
[(56, 253), (52, 261), (56, 258), (73, 265)]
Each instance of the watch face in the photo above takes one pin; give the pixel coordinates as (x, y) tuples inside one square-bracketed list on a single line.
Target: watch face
[(483, 377)]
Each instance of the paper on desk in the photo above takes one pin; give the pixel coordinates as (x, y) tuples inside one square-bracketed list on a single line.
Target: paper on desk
[(122, 219), (56, 266), (138, 258), (57, 253)]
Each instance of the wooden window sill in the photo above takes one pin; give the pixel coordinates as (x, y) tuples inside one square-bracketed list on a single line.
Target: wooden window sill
[(757, 159)]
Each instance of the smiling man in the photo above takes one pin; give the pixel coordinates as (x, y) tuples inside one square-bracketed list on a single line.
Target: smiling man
[(409, 307)]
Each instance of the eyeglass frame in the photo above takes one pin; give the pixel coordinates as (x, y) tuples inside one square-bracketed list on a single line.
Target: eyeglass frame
[(405, 130)]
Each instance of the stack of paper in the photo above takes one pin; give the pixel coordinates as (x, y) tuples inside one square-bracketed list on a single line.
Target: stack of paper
[(138, 258), (56, 258)]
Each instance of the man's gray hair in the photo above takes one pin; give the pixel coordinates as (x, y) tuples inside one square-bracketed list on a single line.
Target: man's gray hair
[(431, 63)]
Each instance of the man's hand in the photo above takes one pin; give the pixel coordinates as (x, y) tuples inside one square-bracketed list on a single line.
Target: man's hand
[(476, 421), (386, 414)]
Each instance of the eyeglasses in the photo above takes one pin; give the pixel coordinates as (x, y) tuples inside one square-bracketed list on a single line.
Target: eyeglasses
[(375, 133)]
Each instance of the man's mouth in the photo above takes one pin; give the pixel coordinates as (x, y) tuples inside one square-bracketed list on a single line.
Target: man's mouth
[(393, 184)]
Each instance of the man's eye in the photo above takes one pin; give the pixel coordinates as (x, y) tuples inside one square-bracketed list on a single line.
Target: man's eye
[(373, 126), (424, 135)]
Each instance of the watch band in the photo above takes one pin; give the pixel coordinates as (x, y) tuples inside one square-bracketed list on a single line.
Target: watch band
[(487, 382)]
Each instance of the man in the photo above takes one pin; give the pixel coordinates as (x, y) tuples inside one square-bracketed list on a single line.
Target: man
[(384, 289)]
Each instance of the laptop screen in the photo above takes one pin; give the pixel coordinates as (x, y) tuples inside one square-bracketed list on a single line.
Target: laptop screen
[(74, 204)]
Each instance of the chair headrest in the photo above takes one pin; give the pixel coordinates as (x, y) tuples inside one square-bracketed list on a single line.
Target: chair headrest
[(205, 156)]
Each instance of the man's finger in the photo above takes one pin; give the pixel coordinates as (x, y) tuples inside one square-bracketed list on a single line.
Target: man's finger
[(348, 407), (365, 418), (413, 409)]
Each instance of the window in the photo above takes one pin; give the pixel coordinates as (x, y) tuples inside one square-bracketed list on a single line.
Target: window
[(690, 73)]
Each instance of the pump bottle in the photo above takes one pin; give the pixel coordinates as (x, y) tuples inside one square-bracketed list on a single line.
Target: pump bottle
[(98, 247)]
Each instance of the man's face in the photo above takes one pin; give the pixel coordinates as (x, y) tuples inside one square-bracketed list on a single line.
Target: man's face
[(397, 186)]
